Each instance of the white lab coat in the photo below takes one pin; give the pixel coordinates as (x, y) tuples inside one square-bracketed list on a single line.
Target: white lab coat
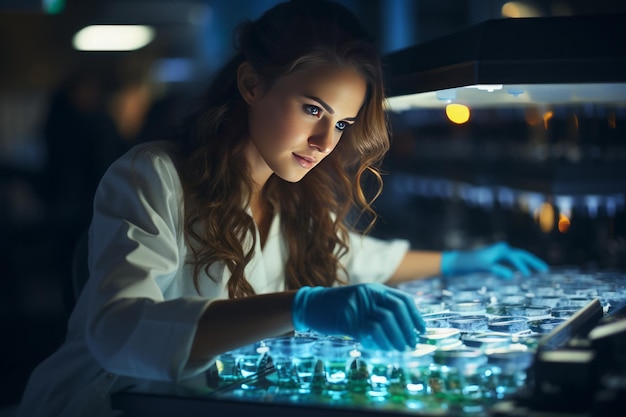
[(135, 320)]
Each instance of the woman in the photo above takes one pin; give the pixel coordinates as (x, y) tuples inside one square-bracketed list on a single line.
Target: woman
[(237, 232)]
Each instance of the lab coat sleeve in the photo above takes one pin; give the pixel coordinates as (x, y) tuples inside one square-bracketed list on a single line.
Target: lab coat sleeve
[(135, 245), (373, 260)]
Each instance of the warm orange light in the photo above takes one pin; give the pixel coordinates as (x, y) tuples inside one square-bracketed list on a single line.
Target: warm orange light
[(545, 217), (457, 113), (547, 116), (564, 223), (518, 9), (532, 117)]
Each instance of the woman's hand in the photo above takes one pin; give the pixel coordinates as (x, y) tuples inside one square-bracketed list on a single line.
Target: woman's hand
[(499, 259), (376, 315)]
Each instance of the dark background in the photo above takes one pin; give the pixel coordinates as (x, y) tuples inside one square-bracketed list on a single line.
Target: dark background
[(65, 115)]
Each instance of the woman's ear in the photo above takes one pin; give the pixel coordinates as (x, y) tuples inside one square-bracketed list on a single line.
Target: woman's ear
[(248, 82)]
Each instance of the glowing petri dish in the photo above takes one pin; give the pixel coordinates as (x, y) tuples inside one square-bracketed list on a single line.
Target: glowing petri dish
[(499, 309), (437, 333), (529, 340), (441, 337), (469, 323), (461, 358), (486, 340), (511, 324), (513, 299), (439, 320), (511, 359), (532, 312), (468, 307), (420, 356), (422, 349), (545, 325), (547, 300)]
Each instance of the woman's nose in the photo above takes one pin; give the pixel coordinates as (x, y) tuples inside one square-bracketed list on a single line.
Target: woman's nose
[(322, 140)]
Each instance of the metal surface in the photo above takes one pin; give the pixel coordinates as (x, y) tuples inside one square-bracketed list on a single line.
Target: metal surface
[(548, 50), (578, 325)]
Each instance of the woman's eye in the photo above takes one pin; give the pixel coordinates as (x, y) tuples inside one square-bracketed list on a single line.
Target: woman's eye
[(341, 126), (312, 110)]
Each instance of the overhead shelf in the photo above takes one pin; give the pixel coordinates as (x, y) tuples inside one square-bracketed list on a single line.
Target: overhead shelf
[(516, 61)]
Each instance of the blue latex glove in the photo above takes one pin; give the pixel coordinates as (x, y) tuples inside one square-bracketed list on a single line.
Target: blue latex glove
[(499, 259), (378, 316)]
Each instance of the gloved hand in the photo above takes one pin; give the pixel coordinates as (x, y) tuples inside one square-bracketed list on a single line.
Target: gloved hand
[(378, 316), (499, 259)]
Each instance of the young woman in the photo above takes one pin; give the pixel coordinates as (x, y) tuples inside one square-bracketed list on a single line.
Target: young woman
[(238, 230)]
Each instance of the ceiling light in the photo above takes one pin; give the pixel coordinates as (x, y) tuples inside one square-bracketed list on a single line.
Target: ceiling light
[(113, 37)]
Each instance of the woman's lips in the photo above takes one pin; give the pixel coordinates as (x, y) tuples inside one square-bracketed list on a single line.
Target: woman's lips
[(305, 161)]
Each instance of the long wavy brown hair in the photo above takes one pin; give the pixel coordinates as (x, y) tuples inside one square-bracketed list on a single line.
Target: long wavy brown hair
[(292, 36)]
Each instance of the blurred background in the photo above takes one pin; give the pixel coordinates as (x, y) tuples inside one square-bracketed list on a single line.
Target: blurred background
[(70, 105)]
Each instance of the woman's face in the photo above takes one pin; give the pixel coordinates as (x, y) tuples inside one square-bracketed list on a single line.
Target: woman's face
[(300, 119)]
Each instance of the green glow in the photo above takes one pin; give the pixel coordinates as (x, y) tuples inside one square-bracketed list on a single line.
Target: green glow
[(53, 6)]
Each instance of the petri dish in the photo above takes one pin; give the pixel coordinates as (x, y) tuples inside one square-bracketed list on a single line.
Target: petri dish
[(508, 370), (532, 311), (293, 359), (564, 311), (441, 337), (469, 323), (547, 300), (468, 307), (510, 324), (545, 326), (439, 320), (336, 356), (487, 340)]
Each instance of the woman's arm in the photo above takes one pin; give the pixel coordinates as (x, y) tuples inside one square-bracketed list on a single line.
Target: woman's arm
[(376, 315), (229, 324), (499, 259), (417, 265)]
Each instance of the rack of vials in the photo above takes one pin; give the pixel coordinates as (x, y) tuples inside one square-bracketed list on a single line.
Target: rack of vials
[(483, 335)]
